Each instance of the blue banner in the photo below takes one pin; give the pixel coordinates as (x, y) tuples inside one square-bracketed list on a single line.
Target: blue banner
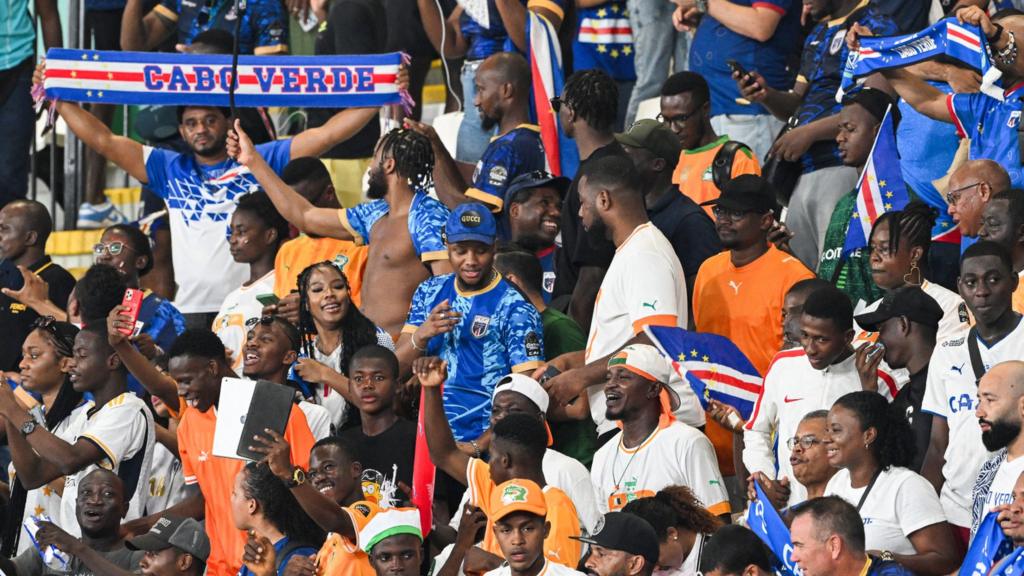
[(764, 521)]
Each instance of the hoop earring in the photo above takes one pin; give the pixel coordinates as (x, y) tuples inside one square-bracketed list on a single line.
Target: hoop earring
[(914, 277)]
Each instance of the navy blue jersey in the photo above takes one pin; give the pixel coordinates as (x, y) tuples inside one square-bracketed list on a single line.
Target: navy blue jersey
[(264, 27), (518, 151), (821, 67)]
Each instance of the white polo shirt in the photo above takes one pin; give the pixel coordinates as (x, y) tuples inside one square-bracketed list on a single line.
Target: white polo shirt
[(952, 393), (644, 285)]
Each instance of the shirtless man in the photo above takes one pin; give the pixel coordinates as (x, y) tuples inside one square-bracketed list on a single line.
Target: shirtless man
[(402, 225)]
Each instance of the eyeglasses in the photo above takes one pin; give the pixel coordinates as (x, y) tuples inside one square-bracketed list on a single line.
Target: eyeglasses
[(113, 248), (953, 196), (729, 213), (676, 120), (805, 441), (556, 104)]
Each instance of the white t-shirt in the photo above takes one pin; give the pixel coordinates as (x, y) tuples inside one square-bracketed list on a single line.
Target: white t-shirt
[(318, 418), (166, 482), (792, 389), (123, 431), (691, 565), (570, 476), (951, 393), (677, 454), (550, 569), (900, 503), (239, 312), (1001, 490), (644, 285), (45, 501)]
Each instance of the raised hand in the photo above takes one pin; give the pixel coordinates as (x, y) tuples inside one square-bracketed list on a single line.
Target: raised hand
[(431, 371)]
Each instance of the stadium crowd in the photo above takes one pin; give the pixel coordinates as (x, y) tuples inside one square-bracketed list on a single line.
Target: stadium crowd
[(477, 344)]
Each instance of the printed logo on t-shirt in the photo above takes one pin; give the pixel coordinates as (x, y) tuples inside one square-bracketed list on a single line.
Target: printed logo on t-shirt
[(532, 344), (629, 492), (479, 327), (837, 42), (340, 261), (1013, 119), (497, 176), (549, 281)]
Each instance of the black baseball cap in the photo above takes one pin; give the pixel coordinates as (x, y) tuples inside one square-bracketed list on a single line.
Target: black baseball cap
[(185, 534), (626, 532), (746, 192), (537, 179), (909, 301)]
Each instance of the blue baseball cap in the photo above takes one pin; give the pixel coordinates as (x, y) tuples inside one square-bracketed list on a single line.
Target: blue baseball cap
[(471, 222)]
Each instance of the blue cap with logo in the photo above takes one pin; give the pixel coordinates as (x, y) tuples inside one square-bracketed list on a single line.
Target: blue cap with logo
[(471, 222)]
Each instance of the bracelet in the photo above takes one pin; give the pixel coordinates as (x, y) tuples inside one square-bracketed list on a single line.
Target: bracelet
[(1007, 56), (998, 33), (412, 340), (476, 448)]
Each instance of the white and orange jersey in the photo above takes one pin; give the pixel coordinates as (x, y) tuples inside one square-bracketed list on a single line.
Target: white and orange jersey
[(792, 389), (239, 312), (674, 454)]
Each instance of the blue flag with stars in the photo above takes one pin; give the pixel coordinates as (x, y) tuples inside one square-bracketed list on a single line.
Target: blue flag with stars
[(712, 365), (880, 189), (988, 546)]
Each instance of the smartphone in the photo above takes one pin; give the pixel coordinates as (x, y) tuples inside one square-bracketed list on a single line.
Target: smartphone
[(736, 67), (550, 373), (876, 349), (267, 299), (133, 300)]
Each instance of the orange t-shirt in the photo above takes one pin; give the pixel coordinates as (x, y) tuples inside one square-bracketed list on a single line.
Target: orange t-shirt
[(558, 546), (216, 478), (744, 305), (1018, 296), (341, 557), (297, 254), (693, 172)]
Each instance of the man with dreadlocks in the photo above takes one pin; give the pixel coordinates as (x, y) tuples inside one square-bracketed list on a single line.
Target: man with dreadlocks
[(503, 99), (402, 225)]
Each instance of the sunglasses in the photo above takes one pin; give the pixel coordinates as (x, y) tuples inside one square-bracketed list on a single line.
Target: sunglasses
[(269, 319), (676, 120), (556, 104)]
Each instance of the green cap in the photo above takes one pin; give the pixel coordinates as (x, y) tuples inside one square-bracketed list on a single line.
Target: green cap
[(654, 137)]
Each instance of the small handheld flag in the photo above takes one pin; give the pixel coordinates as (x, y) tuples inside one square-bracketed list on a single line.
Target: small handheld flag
[(880, 188), (988, 547), (548, 81), (763, 520), (712, 365)]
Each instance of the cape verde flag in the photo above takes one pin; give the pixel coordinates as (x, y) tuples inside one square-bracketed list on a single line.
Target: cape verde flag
[(880, 188), (712, 365), (988, 547), (548, 80), (947, 40)]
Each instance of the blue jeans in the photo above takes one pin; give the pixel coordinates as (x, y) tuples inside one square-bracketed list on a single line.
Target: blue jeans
[(658, 45), (17, 120), (473, 139)]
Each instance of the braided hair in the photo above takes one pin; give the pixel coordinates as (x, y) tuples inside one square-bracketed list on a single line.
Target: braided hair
[(61, 336), (413, 156), (913, 224), (594, 97), (356, 329)]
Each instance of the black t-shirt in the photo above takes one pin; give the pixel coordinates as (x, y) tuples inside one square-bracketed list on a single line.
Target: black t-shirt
[(16, 318), (688, 227), (580, 248), (908, 403), (394, 446), (352, 27)]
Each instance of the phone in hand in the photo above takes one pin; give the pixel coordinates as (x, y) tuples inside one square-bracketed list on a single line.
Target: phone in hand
[(549, 373), (267, 299), (133, 300), (736, 67)]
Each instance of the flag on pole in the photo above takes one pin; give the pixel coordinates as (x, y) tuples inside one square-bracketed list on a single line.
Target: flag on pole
[(880, 188), (423, 473), (712, 365), (764, 521), (548, 80)]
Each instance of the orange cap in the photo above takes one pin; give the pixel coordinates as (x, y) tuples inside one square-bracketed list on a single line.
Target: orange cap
[(517, 495)]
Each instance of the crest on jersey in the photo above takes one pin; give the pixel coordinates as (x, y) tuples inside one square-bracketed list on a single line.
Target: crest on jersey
[(549, 282), (479, 326), (837, 42)]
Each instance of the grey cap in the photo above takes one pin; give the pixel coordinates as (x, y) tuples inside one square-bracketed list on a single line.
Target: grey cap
[(184, 534)]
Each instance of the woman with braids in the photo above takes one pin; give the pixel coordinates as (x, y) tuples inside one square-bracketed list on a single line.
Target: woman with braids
[(45, 353), (262, 505), (332, 329), (682, 525), (871, 445), (898, 248), (402, 224)]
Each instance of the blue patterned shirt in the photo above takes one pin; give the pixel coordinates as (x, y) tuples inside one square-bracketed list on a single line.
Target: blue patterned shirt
[(264, 26), (500, 333), (821, 67), (992, 127), (518, 151), (427, 218)]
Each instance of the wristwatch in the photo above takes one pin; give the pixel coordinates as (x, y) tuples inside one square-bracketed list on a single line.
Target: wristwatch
[(702, 6), (28, 427), (298, 477)]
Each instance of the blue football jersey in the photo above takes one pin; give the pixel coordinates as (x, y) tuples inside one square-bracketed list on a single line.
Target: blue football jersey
[(516, 152), (992, 127), (427, 218)]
